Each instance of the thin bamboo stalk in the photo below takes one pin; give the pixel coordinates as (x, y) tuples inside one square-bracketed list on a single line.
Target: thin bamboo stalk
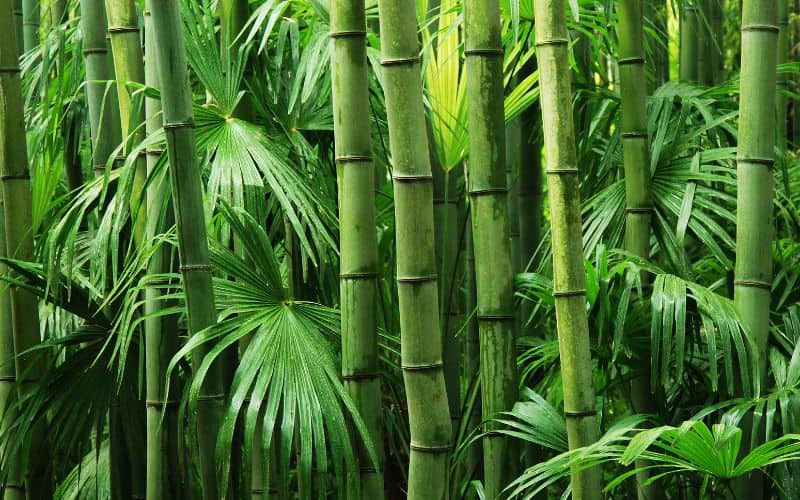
[(446, 224), (18, 25), (126, 47), (638, 195), (488, 192), (16, 193), (755, 190), (421, 337), (187, 193), (688, 67), (474, 465), (358, 238), (781, 100), (30, 24), (569, 287), (13, 488), (102, 104), (161, 337)]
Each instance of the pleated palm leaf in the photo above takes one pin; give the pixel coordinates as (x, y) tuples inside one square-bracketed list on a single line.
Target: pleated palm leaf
[(287, 383), (712, 454)]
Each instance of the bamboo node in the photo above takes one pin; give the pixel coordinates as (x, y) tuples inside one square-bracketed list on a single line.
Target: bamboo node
[(552, 41), (495, 317), (8, 378), (768, 162), (631, 60), (95, 50), (353, 159), (211, 397), (18, 177), (30, 23), (580, 414), (430, 449), (14, 486), (371, 275), (120, 159), (16, 12), (443, 201), (569, 293), (100, 167), (410, 61), (178, 125), (412, 178), (488, 191), (9, 69), (155, 152), (123, 29), (484, 52), (564, 171), (353, 377), (152, 403), (417, 279), (422, 368), (196, 268), (635, 135), (769, 28), (640, 210), (347, 34), (765, 285)]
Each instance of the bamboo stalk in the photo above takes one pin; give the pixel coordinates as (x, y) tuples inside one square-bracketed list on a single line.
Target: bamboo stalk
[(123, 30), (104, 123), (358, 239), (13, 488), (688, 66), (187, 193), (30, 24), (446, 224), (18, 25), (569, 288), (474, 464), (638, 195), (421, 337), (161, 336), (755, 162), (16, 194), (488, 192), (781, 100)]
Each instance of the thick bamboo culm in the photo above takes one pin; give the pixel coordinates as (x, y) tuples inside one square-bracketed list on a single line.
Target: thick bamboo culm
[(423, 373), (755, 184), (187, 194), (488, 193), (17, 214), (569, 287), (357, 233)]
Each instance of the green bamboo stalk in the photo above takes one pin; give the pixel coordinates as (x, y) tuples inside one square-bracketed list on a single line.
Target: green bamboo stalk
[(488, 192), (446, 224), (16, 193), (705, 70), (638, 195), (657, 13), (30, 24), (781, 100), (13, 489), (473, 467), (18, 25), (233, 16), (187, 193), (126, 47), (104, 123), (513, 157), (421, 344), (161, 337), (358, 240), (531, 199), (754, 225), (755, 161), (569, 287), (688, 67)]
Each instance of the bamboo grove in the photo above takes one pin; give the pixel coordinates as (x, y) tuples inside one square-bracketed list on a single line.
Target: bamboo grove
[(368, 249)]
